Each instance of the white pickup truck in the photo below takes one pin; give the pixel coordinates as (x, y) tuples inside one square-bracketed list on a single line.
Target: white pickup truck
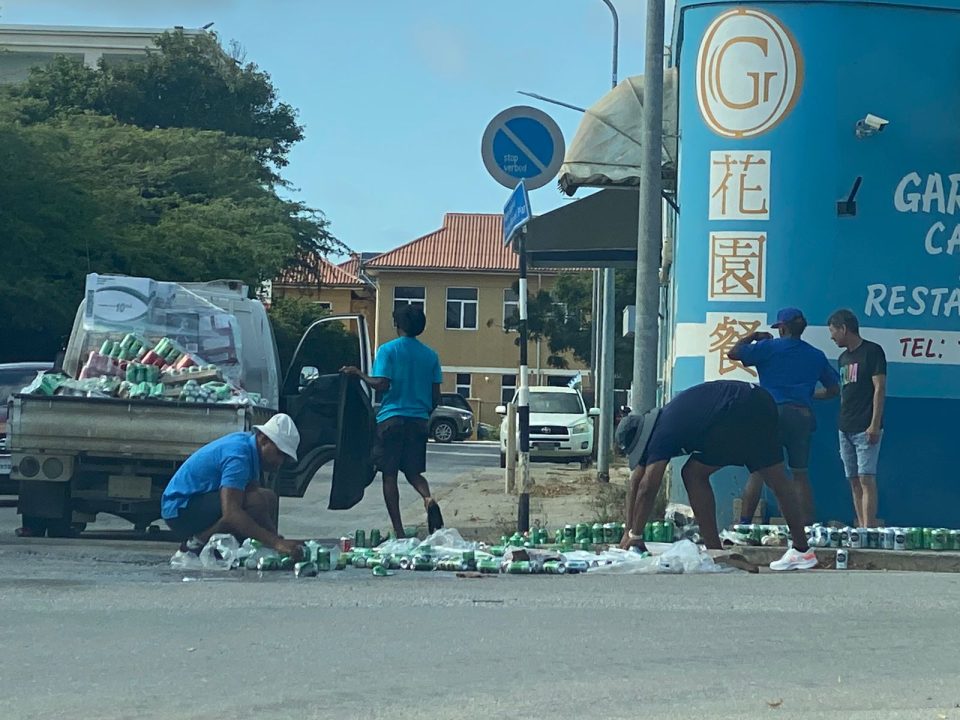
[(76, 457)]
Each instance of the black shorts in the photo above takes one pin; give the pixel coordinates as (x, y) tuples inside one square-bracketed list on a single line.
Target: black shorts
[(200, 513), (746, 433), (797, 423), (401, 446)]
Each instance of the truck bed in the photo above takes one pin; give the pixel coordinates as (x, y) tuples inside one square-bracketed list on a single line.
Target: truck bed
[(108, 427)]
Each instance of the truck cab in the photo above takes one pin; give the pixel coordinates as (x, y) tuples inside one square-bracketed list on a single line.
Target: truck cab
[(76, 457)]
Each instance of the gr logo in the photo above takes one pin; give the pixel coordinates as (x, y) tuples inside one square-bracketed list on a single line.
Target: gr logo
[(749, 73)]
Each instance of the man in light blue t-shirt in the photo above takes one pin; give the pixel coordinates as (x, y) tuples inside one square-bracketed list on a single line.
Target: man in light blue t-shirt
[(408, 374)]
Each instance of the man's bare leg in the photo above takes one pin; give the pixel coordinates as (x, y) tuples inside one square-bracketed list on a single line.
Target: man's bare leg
[(264, 507), (776, 479), (868, 500), (419, 483), (801, 479), (635, 477), (856, 489), (391, 496), (696, 479), (750, 498)]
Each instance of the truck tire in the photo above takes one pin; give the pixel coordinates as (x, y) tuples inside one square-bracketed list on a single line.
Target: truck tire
[(32, 527), (443, 431), (63, 528)]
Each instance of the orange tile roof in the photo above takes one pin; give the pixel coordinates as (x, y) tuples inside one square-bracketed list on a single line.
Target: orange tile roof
[(314, 269), (467, 241), (352, 266)]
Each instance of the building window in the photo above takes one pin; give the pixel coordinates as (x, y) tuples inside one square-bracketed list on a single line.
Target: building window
[(410, 296), (461, 308), (508, 388), (323, 305), (463, 385), (511, 309)]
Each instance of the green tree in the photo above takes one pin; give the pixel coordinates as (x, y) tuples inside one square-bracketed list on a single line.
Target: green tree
[(188, 82), (562, 317), (328, 348)]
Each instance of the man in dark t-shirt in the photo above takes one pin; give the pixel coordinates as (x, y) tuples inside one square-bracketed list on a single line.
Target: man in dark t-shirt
[(863, 390), (719, 423)]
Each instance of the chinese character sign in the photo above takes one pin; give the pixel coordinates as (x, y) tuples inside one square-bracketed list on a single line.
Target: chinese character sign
[(723, 332), (740, 185), (738, 262)]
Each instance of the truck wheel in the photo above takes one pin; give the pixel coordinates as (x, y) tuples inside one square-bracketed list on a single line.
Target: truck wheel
[(443, 431), (32, 527), (60, 529)]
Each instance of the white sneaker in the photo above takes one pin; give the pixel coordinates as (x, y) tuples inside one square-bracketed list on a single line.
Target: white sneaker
[(795, 560)]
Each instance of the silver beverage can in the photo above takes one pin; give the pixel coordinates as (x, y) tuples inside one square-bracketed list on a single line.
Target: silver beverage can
[(900, 539), (888, 538), (834, 537), (842, 559), (845, 537), (855, 538)]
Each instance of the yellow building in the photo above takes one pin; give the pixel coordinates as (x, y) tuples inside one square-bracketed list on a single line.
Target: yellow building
[(462, 276), (338, 289)]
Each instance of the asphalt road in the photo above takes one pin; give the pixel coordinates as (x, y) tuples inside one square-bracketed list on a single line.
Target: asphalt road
[(106, 629)]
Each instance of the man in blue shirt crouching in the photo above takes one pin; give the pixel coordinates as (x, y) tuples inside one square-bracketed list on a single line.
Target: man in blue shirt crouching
[(217, 489)]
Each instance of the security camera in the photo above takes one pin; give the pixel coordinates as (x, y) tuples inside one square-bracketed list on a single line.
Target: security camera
[(871, 124)]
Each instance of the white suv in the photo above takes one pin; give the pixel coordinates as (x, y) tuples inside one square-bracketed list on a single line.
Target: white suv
[(561, 427)]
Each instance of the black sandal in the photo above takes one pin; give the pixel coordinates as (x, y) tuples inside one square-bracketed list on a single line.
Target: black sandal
[(434, 517)]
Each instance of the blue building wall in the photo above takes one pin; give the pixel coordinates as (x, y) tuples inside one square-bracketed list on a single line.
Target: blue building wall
[(770, 95)]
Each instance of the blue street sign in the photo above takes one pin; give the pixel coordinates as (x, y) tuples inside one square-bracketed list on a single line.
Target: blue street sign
[(516, 213), (522, 143)]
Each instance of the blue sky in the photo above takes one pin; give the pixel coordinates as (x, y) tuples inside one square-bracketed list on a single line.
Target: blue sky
[(395, 95)]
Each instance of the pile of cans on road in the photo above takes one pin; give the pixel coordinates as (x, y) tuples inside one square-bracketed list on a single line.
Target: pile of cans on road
[(858, 538)]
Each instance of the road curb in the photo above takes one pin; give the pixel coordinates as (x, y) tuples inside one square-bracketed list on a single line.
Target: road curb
[(896, 561)]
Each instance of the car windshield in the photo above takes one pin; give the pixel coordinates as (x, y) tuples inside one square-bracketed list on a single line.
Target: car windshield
[(555, 402), (455, 401), (14, 380)]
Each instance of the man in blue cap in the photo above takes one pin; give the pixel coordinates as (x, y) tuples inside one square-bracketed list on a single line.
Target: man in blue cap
[(789, 369)]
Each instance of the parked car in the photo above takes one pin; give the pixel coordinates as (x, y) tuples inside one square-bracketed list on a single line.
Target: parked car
[(13, 377), (452, 419), (561, 427)]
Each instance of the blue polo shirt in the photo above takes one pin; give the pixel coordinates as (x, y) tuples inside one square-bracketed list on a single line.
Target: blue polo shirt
[(790, 369), (232, 462), (412, 369)]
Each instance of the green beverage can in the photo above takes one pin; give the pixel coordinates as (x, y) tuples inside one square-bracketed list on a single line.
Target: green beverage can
[(286, 562), (668, 531), (504, 540), (342, 561), (488, 566), (554, 567), (585, 545), (939, 538), (914, 539), (583, 532), (610, 533), (756, 533), (649, 532), (469, 557), (927, 538), (519, 567), (380, 571), (497, 550), (954, 540), (558, 536), (270, 562), (596, 533), (347, 557), (423, 563), (375, 538), (360, 539), (322, 558), (359, 561), (569, 533)]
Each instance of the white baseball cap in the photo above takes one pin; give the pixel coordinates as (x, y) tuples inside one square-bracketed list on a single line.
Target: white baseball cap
[(284, 434)]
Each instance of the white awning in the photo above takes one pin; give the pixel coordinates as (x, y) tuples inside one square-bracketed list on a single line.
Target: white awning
[(606, 149)]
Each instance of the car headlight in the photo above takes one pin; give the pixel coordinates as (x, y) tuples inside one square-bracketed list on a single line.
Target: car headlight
[(580, 428), (466, 415)]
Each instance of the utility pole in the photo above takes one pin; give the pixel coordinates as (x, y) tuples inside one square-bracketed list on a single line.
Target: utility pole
[(649, 236), (523, 396), (605, 398)]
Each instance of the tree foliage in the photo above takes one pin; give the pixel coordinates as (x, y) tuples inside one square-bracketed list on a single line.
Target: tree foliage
[(104, 172), (563, 317)]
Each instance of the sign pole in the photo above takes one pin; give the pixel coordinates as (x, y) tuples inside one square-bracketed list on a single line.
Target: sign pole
[(523, 398)]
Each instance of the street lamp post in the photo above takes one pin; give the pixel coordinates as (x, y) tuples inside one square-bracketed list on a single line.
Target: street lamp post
[(604, 384)]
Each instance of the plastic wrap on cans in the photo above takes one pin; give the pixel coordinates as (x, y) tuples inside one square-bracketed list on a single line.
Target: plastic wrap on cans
[(888, 538), (900, 539), (856, 538), (554, 567), (268, 563), (576, 566)]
